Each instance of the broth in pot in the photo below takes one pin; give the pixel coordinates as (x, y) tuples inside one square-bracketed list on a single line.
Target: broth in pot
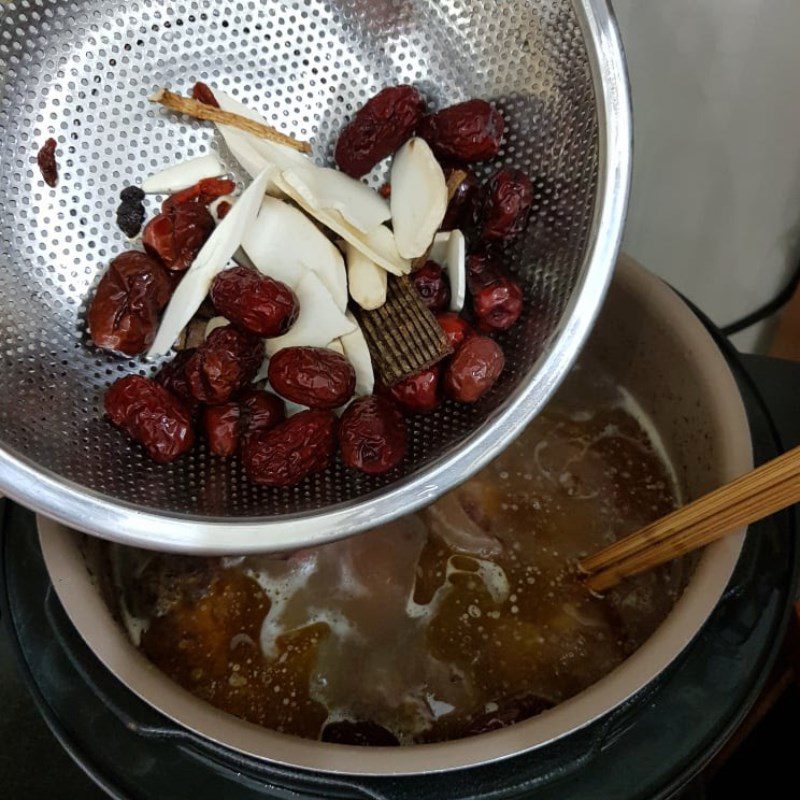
[(460, 619)]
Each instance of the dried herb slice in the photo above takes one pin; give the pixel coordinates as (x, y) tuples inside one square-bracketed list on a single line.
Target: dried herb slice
[(403, 336)]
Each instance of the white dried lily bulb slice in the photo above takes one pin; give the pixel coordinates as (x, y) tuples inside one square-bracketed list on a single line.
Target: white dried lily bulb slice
[(418, 199), (212, 259), (356, 351), (253, 153), (336, 346), (329, 189), (182, 176), (377, 245), (450, 250), (319, 321), (285, 244), (366, 281), (214, 323)]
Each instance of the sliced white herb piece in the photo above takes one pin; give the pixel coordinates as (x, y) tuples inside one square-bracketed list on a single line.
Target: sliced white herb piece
[(183, 175), (356, 352), (214, 323), (449, 249), (212, 258), (319, 321), (419, 197), (366, 281), (336, 346), (330, 189), (285, 244)]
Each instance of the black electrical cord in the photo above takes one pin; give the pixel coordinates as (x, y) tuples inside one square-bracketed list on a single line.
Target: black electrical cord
[(768, 309)]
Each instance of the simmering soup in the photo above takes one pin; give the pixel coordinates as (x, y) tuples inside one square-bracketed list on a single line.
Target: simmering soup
[(463, 618)]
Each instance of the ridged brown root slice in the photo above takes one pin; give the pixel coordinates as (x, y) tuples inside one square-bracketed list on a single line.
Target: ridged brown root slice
[(403, 335)]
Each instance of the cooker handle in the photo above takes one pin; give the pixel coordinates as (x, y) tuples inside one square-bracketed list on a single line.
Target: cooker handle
[(272, 776)]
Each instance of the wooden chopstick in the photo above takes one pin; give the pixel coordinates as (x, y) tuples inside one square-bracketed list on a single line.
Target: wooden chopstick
[(770, 488)]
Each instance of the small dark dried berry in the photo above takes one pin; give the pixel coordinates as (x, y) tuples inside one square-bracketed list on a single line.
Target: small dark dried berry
[(130, 217), (131, 194), (203, 93)]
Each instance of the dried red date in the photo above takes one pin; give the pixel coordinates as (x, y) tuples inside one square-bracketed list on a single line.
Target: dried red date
[(474, 369), (177, 235), (312, 376), (378, 129), (461, 208), (455, 327), (172, 376), (482, 270), (289, 452), (497, 305), (254, 302), (260, 411), (418, 393), (221, 425), (151, 416), (124, 313), (222, 209), (228, 424), (507, 201), (372, 435), (204, 192), (470, 131), (432, 286), (202, 92), (46, 159), (225, 363)]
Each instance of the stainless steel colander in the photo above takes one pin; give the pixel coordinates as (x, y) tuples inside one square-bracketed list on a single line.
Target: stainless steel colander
[(80, 70)]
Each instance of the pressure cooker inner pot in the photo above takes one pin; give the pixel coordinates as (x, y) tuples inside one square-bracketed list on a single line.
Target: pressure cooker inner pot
[(468, 616)]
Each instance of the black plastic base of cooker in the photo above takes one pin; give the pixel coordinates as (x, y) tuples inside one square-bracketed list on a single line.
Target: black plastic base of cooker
[(649, 748)]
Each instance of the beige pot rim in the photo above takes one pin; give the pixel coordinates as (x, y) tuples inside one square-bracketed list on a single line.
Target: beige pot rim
[(105, 637)]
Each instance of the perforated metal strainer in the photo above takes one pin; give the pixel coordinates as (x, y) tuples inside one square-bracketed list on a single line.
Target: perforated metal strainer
[(80, 70)]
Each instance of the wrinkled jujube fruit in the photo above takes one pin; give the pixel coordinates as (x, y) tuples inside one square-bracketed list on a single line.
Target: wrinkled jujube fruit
[(204, 192), (498, 305), (432, 286), (364, 734), (254, 302), (510, 712), (172, 376), (46, 159), (229, 424), (177, 235), (294, 449), (469, 131), (222, 429), (378, 129), (312, 376), (455, 327), (474, 369), (124, 311), (482, 270), (372, 435), (151, 416), (418, 393), (506, 204), (203, 93), (225, 363), (461, 208)]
